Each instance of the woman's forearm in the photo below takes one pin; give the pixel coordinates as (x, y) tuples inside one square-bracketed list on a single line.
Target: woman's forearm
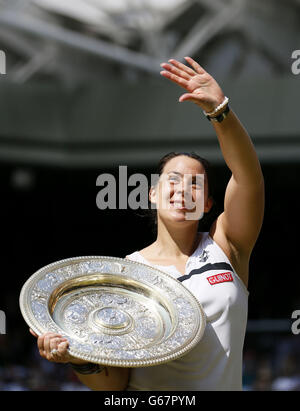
[(110, 379), (238, 150)]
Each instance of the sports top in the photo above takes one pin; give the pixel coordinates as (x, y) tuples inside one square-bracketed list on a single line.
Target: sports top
[(215, 363)]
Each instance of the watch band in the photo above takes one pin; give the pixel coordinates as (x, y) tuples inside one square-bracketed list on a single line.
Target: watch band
[(220, 117), (88, 368)]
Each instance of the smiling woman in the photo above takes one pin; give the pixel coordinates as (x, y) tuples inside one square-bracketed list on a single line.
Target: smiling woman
[(181, 189), (184, 190), (213, 265)]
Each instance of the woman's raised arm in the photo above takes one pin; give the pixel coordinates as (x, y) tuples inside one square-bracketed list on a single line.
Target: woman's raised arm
[(243, 213)]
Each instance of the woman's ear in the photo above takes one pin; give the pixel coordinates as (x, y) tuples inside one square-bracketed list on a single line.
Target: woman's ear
[(209, 204), (152, 195)]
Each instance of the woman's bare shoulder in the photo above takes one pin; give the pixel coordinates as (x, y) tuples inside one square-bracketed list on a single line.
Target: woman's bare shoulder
[(146, 252)]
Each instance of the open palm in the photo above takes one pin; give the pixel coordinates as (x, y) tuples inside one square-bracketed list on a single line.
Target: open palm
[(202, 88)]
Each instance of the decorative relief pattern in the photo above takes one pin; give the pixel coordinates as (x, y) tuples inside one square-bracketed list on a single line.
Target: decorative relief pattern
[(141, 317)]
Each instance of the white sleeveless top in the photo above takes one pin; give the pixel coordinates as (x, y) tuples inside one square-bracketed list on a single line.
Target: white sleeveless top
[(215, 363)]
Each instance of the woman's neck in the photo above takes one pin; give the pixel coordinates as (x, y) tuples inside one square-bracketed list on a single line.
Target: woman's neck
[(176, 242)]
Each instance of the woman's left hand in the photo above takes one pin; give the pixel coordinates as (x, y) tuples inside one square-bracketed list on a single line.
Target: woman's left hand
[(202, 88)]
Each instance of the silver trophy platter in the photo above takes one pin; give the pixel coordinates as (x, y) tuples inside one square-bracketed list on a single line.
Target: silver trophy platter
[(113, 311)]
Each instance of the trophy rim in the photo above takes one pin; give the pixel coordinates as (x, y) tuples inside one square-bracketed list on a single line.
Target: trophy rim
[(39, 328)]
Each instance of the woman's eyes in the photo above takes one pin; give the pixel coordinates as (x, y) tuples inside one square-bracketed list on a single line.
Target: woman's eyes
[(176, 179)]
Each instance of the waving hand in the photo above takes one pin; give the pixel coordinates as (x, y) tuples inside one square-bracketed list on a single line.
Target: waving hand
[(201, 87)]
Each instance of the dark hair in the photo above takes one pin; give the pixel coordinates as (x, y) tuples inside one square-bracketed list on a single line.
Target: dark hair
[(206, 220)]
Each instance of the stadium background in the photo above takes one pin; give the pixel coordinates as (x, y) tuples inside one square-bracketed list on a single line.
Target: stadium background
[(82, 95)]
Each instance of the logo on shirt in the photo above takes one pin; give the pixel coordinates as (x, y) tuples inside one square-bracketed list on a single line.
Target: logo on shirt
[(204, 256), (220, 278)]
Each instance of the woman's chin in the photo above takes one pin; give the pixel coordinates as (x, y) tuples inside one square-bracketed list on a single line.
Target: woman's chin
[(178, 216)]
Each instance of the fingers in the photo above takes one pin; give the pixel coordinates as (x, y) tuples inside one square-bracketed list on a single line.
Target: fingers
[(51, 341), (176, 71), (182, 70), (61, 347), (201, 87), (188, 97), (191, 97), (181, 74), (33, 333), (176, 79), (196, 66), (182, 67)]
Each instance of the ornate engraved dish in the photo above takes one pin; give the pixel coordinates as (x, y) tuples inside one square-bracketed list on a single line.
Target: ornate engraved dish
[(113, 311)]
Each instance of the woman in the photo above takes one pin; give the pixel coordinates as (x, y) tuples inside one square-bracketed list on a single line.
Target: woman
[(213, 265)]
